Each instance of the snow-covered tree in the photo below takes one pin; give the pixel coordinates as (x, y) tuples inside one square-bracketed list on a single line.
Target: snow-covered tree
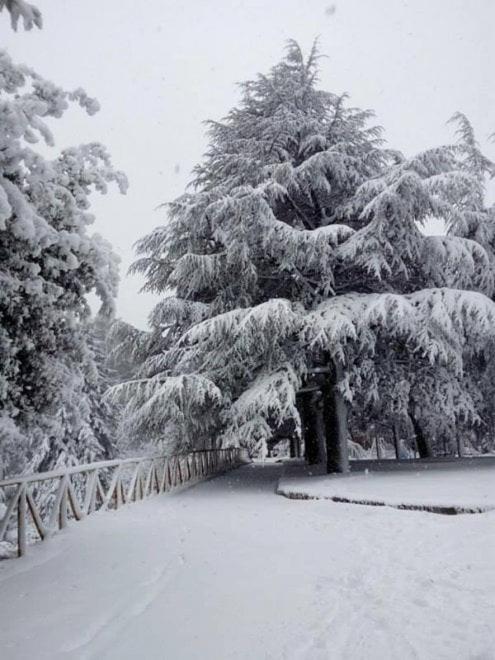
[(299, 247), (478, 224), (20, 9), (438, 403), (99, 377), (50, 262)]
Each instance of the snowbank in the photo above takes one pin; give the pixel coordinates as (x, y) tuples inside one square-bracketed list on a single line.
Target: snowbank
[(466, 487)]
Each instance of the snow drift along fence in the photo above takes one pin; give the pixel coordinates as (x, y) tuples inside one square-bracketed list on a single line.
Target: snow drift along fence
[(38, 505)]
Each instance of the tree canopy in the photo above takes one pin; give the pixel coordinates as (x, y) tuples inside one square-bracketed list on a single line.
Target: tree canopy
[(299, 243)]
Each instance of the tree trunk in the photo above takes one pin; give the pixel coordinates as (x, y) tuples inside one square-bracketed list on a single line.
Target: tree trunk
[(335, 422), (396, 441), (422, 442), (320, 429), (307, 411)]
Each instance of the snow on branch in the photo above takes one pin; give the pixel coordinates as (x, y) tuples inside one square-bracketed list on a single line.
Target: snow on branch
[(439, 323), (271, 396), (20, 9), (153, 404)]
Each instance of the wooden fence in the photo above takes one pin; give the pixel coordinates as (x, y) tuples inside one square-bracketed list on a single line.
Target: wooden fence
[(38, 505)]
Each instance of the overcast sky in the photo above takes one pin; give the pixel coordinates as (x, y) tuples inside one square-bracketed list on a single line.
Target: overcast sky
[(161, 67)]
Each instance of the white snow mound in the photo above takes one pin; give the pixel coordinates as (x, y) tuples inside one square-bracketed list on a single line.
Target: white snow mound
[(465, 487)]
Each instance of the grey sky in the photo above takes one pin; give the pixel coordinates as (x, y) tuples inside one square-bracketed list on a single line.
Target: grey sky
[(160, 67)]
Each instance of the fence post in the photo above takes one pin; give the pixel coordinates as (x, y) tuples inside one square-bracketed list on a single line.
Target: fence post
[(21, 522), (62, 515)]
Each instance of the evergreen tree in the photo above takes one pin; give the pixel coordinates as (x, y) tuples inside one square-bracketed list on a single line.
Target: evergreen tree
[(300, 247), (99, 377), (436, 403), (50, 262)]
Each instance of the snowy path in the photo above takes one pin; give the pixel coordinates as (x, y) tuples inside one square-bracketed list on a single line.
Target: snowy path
[(228, 570)]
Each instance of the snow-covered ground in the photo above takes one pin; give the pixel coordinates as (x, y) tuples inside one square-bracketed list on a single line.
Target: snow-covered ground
[(467, 485), (229, 570)]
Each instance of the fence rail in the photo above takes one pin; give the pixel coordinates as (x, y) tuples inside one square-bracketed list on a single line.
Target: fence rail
[(39, 505)]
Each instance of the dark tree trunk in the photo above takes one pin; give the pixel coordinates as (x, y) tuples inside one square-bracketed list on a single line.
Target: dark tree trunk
[(320, 429), (396, 441), (335, 423), (422, 442), (308, 413), (297, 444)]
